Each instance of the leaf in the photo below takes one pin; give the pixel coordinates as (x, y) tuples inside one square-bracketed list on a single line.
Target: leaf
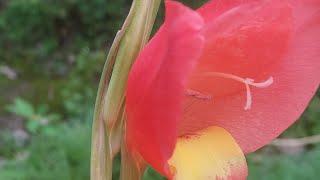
[(33, 126), (21, 108)]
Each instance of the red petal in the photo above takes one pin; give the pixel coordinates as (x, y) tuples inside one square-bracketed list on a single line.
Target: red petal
[(156, 85), (214, 8), (256, 40)]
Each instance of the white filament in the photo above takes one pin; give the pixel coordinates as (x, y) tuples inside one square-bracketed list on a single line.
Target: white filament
[(247, 81)]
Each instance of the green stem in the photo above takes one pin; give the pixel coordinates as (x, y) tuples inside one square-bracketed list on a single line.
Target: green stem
[(109, 107)]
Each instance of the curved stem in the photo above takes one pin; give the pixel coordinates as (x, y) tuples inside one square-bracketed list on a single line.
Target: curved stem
[(109, 107)]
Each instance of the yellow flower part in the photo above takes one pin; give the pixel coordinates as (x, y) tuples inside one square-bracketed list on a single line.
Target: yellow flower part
[(209, 154)]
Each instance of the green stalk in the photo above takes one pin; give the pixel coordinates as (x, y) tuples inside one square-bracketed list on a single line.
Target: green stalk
[(108, 118)]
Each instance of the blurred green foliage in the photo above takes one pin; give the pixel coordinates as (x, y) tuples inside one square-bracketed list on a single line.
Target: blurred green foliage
[(44, 26), (39, 120), (57, 45), (285, 167), (61, 156), (57, 48)]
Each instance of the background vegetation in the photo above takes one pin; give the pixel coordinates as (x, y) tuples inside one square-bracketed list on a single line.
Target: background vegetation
[(51, 57)]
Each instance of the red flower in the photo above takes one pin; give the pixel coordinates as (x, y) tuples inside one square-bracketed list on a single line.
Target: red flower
[(244, 67)]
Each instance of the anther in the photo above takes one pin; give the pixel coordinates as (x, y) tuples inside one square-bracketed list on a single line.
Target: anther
[(198, 95)]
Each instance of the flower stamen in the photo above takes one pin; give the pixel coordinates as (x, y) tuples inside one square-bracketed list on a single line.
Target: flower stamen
[(247, 81)]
